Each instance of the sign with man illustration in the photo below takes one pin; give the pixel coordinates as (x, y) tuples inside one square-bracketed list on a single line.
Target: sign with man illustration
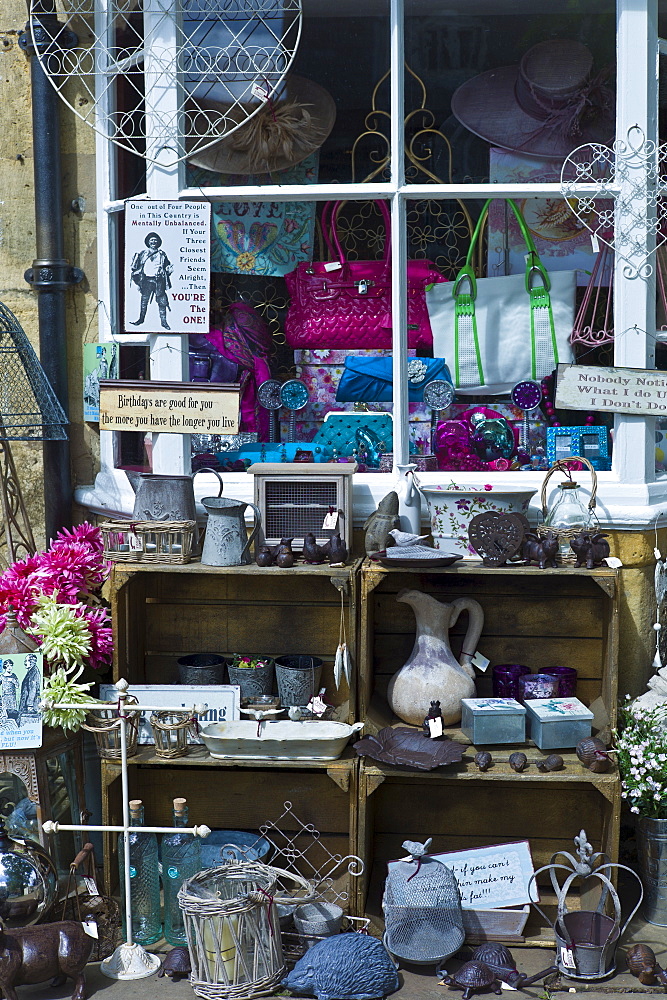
[(20, 701), (167, 266)]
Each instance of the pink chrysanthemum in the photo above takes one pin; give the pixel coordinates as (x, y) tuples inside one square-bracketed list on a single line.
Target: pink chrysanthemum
[(101, 635)]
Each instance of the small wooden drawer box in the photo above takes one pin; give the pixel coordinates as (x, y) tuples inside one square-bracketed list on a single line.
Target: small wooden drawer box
[(558, 723), (493, 720)]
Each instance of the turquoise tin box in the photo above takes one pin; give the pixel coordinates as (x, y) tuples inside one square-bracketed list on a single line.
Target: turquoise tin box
[(558, 723), (493, 720)]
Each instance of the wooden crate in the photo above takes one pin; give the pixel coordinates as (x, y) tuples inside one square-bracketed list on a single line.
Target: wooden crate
[(161, 613), (532, 616), (239, 796), (460, 808)]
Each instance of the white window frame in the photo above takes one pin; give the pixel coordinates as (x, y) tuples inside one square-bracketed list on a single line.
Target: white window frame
[(629, 496)]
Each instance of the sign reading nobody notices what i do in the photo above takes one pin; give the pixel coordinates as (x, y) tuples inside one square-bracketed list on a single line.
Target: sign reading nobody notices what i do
[(637, 391), (169, 407)]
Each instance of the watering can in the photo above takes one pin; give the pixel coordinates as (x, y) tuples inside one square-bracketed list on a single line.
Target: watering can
[(226, 542), (166, 498), (586, 940)]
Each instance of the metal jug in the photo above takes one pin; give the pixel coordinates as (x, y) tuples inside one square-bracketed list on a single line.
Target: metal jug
[(166, 498), (226, 542)]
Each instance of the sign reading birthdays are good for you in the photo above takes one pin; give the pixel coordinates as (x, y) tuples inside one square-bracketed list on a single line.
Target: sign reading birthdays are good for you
[(167, 266), (169, 407)]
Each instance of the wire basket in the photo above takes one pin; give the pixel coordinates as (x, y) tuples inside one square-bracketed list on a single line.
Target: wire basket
[(565, 535), (171, 731), (148, 541), (233, 931), (85, 903), (104, 724)]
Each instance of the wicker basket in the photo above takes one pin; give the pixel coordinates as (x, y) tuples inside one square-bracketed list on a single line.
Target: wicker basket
[(86, 903), (565, 535), (104, 724), (171, 731), (148, 541), (233, 931)]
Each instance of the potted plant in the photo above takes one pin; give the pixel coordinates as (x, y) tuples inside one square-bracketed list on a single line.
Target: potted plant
[(641, 746), (253, 674), (55, 597)]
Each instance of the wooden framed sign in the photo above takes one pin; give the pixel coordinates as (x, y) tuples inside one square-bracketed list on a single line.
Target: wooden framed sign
[(169, 407), (637, 391)]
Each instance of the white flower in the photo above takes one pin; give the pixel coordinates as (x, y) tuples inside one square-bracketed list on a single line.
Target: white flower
[(634, 809)]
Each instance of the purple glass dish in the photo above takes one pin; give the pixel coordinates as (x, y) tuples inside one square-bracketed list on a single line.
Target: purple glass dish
[(533, 686), (505, 679), (567, 680)]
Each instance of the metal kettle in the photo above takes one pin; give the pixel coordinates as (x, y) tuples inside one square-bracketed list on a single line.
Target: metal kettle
[(166, 498)]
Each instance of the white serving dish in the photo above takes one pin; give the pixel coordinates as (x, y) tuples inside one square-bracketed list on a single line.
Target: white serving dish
[(278, 740)]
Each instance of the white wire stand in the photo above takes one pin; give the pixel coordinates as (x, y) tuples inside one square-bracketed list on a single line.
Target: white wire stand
[(130, 960)]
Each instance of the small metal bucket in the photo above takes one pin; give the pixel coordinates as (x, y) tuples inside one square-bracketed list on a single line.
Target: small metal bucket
[(592, 938)]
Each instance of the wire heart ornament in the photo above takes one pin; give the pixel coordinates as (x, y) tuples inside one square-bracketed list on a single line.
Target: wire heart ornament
[(630, 187)]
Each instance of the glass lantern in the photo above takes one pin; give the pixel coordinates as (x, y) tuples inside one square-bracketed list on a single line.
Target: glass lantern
[(568, 516)]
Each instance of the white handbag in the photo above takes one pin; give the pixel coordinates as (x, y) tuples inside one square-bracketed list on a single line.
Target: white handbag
[(495, 332)]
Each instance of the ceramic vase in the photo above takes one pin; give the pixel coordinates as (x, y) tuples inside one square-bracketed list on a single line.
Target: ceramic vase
[(652, 854), (451, 509), (409, 500), (431, 671)]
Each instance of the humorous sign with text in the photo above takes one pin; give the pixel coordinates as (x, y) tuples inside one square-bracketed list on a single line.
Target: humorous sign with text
[(638, 391), (169, 407), (167, 266), (492, 876)]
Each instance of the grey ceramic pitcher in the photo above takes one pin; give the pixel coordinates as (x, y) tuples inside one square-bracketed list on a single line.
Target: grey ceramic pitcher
[(226, 542)]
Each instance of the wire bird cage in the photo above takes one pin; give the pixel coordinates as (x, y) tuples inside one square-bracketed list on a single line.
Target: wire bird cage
[(226, 61), (29, 409)]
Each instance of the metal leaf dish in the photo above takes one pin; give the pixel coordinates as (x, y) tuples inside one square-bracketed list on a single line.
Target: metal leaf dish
[(409, 748), (414, 556)]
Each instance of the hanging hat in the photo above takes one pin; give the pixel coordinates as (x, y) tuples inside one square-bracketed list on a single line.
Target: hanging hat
[(283, 132), (546, 106)]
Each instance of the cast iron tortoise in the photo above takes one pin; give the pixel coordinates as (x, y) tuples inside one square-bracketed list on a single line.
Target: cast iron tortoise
[(473, 977)]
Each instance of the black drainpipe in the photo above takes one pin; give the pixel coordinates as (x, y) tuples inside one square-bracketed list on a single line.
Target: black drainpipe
[(51, 274)]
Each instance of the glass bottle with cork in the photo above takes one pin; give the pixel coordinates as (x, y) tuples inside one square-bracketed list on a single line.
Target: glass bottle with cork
[(181, 859), (144, 880)]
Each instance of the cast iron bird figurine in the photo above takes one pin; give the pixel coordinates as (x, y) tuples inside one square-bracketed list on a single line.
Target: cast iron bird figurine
[(312, 552), (337, 551)]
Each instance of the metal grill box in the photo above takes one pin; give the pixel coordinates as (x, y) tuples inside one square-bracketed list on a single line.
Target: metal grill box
[(493, 720), (294, 498), (558, 723)]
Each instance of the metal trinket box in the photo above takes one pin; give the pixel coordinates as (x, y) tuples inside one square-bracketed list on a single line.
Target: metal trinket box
[(493, 720), (557, 723)]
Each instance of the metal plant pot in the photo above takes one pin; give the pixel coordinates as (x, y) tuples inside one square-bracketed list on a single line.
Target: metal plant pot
[(202, 668), (253, 681), (652, 852), (298, 679)]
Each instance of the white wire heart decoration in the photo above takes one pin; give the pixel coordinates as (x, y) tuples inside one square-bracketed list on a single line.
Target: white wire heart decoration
[(629, 182)]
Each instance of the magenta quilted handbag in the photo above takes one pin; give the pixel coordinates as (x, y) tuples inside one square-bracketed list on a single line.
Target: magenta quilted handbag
[(349, 307)]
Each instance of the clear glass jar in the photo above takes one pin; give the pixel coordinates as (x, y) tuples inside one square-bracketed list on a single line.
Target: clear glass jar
[(569, 513)]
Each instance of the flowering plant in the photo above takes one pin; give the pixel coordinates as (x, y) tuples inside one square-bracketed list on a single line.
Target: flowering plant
[(54, 597), (250, 661), (641, 745)]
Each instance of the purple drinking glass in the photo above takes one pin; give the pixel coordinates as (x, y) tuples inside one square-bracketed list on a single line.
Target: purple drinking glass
[(533, 686), (505, 678), (567, 680)]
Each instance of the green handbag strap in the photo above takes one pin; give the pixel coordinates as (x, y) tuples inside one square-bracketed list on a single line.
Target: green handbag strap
[(538, 287)]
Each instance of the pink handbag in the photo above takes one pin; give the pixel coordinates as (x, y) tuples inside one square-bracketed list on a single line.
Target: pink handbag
[(349, 307)]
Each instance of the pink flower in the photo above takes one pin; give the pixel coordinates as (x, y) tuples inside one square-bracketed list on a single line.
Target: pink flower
[(488, 487)]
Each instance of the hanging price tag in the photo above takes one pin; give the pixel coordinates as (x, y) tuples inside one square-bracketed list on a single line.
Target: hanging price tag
[(567, 958), (258, 91), (435, 728), (480, 661), (506, 986), (333, 265), (613, 562), (134, 542), (595, 243), (330, 520), (90, 927), (91, 885)]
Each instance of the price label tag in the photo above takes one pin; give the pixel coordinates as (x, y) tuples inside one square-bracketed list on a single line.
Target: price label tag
[(480, 661), (435, 728), (258, 91), (595, 243), (90, 927), (330, 520), (134, 542), (567, 958), (506, 986), (333, 265), (613, 562), (91, 885)]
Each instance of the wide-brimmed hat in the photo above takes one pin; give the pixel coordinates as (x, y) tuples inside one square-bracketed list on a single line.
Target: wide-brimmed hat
[(546, 106), (283, 132)]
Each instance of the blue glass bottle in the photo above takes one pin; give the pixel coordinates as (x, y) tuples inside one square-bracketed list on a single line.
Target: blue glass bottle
[(181, 859), (144, 878)]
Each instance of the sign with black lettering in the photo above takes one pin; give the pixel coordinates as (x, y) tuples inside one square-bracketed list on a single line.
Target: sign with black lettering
[(167, 266), (492, 876), (637, 391), (169, 407)]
